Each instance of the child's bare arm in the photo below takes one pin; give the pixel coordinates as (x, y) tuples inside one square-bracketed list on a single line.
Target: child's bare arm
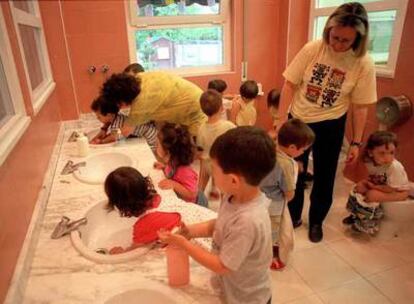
[(362, 186), (119, 249), (382, 188), (375, 195), (203, 229), (234, 111), (97, 139), (204, 176), (182, 191), (201, 255), (126, 130), (108, 139)]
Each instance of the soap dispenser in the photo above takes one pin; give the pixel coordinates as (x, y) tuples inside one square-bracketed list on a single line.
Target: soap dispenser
[(83, 145), (178, 266)]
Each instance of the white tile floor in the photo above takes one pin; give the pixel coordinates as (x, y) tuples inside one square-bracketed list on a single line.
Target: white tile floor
[(345, 268)]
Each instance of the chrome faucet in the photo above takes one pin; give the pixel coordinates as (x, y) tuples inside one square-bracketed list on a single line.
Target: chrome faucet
[(70, 167), (65, 226)]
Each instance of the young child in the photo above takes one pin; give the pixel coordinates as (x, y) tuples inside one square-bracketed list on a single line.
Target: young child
[(243, 111), (279, 185), (134, 195), (387, 182), (133, 69), (176, 149), (242, 246), (220, 86), (273, 99), (108, 114), (211, 105)]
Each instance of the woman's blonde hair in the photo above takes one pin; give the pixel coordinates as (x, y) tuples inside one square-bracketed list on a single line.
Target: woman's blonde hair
[(353, 15)]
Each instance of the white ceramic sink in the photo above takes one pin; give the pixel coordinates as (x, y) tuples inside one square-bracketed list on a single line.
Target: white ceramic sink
[(100, 165), (144, 295), (103, 231)]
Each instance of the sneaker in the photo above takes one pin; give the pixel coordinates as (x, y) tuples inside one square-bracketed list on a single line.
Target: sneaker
[(349, 220), (277, 264), (315, 233), (297, 223)]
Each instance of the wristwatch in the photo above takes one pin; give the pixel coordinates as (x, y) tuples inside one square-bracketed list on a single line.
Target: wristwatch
[(356, 144)]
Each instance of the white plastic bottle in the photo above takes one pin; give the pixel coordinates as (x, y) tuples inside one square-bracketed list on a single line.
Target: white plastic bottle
[(83, 145)]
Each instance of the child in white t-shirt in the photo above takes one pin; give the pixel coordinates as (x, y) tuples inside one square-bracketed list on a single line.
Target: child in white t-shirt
[(211, 105), (220, 86), (243, 111), (387, 182)]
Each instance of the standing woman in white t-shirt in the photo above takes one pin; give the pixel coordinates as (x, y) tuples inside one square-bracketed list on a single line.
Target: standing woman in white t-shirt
[(324, 78)]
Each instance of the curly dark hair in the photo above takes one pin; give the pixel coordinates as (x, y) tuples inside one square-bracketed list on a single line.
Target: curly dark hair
[(273, 98), (129, 191), (218, 85), (100, 104), (378, 139), (134, 68), (249, 89), (246, 151), (176, 140), (121, 88), (295, 132)]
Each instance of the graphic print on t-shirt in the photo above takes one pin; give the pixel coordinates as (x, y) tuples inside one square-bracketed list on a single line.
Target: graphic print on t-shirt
[(378, 179), (331, 91)]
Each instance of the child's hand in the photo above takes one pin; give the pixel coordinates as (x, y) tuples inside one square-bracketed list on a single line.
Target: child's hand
[(116, 250), (167, 237), (96, 141), (159, 165), (272, 133), (183, 230), (370, 185), (166, 184)]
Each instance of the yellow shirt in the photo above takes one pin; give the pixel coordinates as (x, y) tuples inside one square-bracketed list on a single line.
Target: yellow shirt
[(166, 97), (328, 81)]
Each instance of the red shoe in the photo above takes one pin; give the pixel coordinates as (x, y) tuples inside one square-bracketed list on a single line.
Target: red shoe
[(277, 264)]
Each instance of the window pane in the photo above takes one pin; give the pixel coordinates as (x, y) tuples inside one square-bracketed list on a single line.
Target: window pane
[(319, 26), (24, 5), (180, 47), (6, 105), (381, 30), (158, 8), (31, 48), (329, 3)]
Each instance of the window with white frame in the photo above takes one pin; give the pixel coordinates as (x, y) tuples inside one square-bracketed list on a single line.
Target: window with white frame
[(13, 118), (187, 36), (386, 21), (29, 28)]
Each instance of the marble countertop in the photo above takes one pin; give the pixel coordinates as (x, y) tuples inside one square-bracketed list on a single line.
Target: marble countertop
[(59, 274)]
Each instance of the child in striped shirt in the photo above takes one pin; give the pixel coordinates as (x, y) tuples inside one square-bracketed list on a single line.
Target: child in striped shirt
[(108, 113)]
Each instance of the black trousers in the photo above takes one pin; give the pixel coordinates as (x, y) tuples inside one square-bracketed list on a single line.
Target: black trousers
[(329, 136)]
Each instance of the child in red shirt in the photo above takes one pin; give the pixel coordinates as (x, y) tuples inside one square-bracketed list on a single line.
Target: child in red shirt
[(134, 195)]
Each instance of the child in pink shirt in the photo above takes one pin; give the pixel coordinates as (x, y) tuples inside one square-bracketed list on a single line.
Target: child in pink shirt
[(177, 150)]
